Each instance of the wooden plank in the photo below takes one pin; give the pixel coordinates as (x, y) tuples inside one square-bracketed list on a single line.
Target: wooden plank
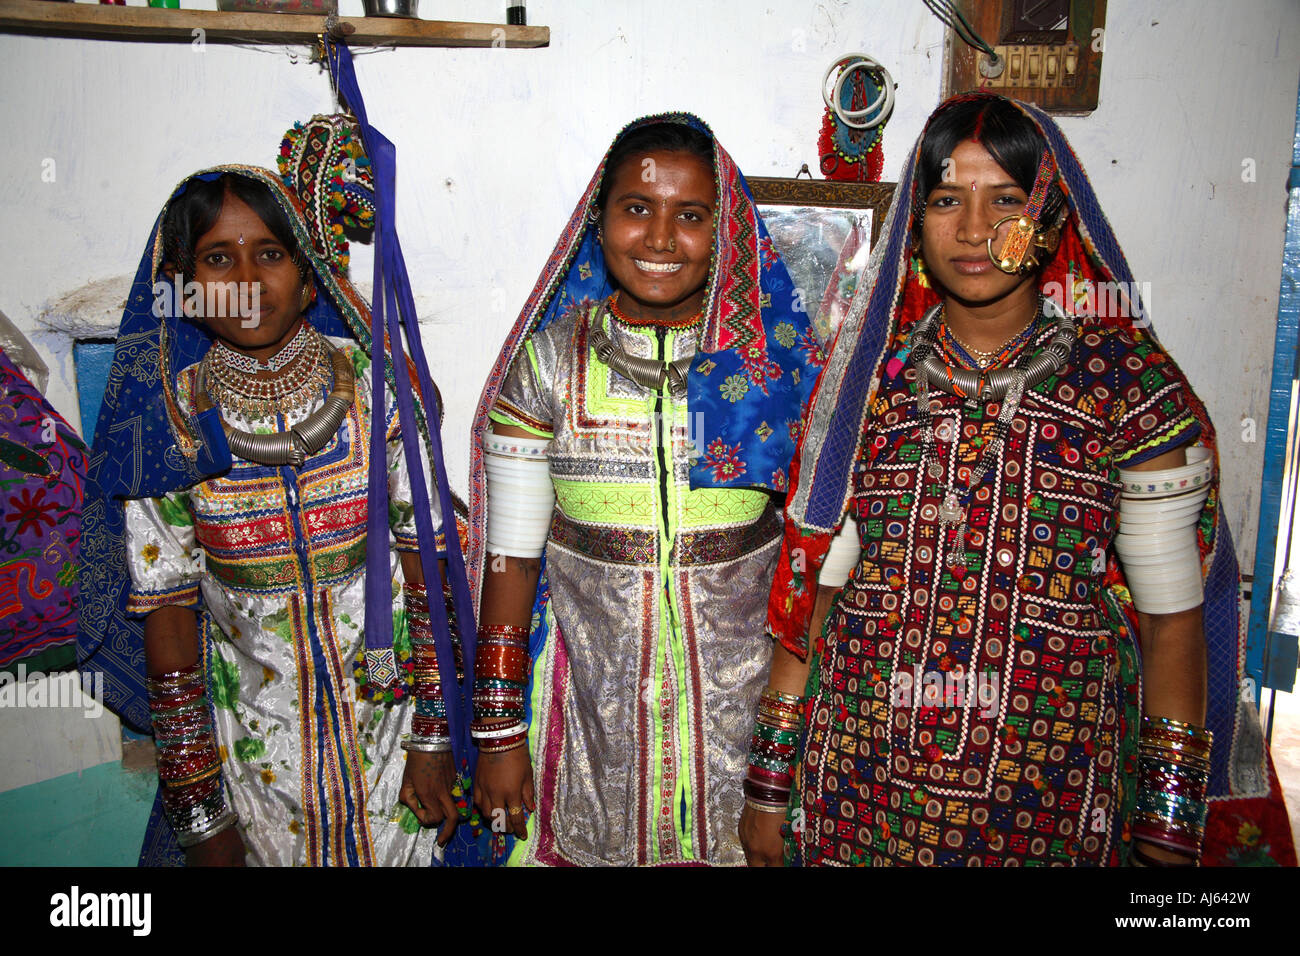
[(98, 21)]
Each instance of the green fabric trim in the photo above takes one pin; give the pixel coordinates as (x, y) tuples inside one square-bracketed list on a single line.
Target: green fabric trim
[(1168, 438), (607, 502), (60, 657), (714, 506), (675, 645), (657, 719), (501, 418)]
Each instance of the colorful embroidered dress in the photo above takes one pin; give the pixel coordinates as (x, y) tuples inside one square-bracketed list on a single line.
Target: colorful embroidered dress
[(983, 715), (42, 468), (1017, 747), (648, 643), (272, 559)]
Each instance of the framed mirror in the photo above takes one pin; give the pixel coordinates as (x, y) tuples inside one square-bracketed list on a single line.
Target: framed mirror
[(824, 230)]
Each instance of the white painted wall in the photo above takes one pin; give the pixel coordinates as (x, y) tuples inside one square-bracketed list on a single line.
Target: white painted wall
[(495, 145)]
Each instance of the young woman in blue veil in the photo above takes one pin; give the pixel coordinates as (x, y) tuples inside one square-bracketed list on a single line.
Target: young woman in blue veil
[(225, 549)]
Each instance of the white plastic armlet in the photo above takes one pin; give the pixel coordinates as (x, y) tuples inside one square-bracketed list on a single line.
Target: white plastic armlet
[(842, 557), (520, 495)]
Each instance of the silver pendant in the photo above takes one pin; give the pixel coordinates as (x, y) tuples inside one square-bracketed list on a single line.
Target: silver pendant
[(935, 470), (950, 512)]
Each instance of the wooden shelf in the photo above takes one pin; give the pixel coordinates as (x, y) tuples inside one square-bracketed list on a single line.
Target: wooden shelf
[(96, 21)]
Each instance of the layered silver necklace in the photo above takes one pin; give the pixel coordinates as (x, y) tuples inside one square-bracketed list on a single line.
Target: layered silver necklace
[(646, 372), (232, 376), (1007, 385), (290, 393)]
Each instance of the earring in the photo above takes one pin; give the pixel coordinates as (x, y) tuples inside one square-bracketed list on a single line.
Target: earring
[(308, 297)]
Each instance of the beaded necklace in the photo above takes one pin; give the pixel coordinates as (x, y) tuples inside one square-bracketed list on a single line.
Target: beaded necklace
[(619, 314), (295, 444), (236, 389), (249, 365), (1028, 372), (984, 360)]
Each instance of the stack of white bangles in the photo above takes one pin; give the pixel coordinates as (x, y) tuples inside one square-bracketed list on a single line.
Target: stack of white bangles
[(842, 557), (520, 495), (1156, 543)]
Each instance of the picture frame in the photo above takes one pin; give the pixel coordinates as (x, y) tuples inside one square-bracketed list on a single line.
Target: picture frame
[(824, 231)]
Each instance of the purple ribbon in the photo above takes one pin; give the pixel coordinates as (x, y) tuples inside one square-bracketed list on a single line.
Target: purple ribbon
[(393, 309)]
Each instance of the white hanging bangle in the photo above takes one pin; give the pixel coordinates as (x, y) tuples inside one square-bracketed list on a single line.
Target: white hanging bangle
[(884, 102)]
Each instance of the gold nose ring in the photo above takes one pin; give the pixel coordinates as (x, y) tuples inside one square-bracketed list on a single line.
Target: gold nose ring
[(1017, 261), (672, 245)]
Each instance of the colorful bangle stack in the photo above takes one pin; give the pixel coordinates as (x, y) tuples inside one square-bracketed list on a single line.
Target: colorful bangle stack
[(773, 752), (188, 764), (501, 676), (1173, 773), (430, 732)]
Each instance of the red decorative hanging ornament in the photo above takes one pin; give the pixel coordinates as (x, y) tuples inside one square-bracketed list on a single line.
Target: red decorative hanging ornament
[(859, 97)]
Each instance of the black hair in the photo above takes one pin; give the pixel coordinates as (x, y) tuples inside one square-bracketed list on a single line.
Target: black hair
[(655, 138), (197, 209), (999, 126)]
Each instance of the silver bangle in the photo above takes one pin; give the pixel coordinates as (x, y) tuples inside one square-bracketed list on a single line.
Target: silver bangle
[(499, 732), (764, 807), (191, 838)]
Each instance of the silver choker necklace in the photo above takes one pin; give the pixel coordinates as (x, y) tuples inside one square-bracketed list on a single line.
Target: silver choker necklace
[(990, 385), (309, 436), (648, 373), (251, 366)]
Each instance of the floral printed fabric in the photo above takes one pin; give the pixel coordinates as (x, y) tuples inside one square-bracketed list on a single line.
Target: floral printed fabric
[(273, 560), (42, 467), (750, 399)]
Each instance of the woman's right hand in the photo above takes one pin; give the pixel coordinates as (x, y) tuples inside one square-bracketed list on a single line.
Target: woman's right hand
[(224, 849), (503, 790), (760, 835)]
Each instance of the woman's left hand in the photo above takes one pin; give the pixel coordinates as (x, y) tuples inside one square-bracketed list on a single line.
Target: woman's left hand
[(426, 790), (760, 835)]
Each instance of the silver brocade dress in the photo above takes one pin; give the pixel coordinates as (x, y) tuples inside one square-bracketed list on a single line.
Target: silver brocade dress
[(643, 699), (312, 771)]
